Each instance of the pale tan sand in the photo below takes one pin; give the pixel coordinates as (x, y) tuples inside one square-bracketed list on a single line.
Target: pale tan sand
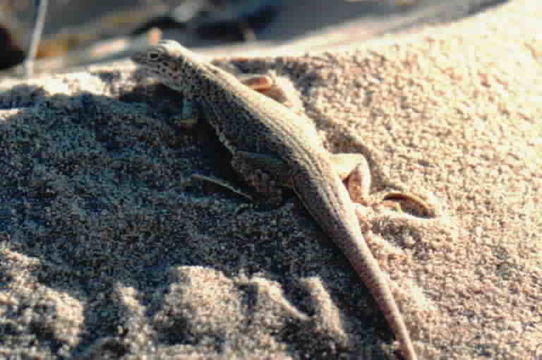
[(109, 249)]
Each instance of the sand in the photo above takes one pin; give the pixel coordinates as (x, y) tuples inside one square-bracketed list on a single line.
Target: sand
[(110, 249)]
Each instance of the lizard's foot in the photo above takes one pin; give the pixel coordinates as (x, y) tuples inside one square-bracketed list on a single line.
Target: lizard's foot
[(403, 203), (354, 170), (409, 203)]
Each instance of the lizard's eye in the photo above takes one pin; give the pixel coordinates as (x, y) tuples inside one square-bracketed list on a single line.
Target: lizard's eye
[(152, 56)]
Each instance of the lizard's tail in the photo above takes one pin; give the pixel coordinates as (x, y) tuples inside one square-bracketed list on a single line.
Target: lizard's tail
[(329, 203)]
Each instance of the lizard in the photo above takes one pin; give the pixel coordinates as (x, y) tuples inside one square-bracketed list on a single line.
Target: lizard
[(270, 150)]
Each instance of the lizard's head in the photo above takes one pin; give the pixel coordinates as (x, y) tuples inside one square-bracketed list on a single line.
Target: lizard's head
[(169, 62)]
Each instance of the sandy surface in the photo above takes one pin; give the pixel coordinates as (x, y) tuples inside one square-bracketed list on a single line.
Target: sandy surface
[(108, 247)]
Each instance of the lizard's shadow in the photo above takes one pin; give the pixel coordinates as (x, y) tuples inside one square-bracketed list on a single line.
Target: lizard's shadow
[(98, 190)]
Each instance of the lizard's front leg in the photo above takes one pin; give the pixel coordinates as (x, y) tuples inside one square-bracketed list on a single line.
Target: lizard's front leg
[(276, 87)]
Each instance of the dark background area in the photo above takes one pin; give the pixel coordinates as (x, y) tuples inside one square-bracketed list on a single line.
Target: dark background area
[(76, 24)]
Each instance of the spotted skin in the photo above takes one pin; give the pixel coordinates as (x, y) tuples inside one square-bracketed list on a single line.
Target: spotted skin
[(270, 144)]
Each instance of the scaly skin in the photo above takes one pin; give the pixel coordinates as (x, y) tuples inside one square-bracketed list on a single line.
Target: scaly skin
[(272, 148)]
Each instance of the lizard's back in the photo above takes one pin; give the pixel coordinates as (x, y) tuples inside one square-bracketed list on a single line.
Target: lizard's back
[(253, 122)]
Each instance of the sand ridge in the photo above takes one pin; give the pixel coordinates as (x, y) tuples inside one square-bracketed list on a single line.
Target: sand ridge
[(110, 249)]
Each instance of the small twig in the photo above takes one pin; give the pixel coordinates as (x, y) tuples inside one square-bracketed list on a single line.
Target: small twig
[(41, 6)]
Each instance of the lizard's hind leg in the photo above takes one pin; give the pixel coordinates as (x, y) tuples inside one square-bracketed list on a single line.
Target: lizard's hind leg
[(354, 170), (268, 183)]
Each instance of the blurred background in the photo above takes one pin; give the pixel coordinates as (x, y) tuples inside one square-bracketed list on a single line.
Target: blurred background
[(78, 32)]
